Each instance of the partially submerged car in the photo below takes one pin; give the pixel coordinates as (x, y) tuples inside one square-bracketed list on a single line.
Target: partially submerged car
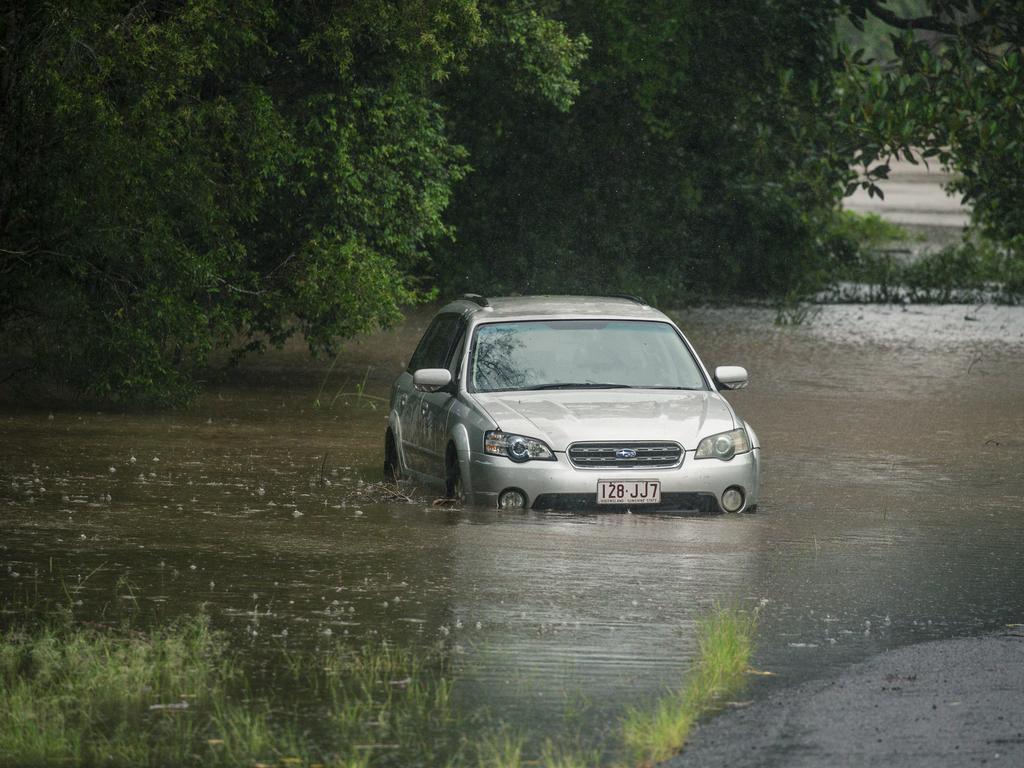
[(569, 402)]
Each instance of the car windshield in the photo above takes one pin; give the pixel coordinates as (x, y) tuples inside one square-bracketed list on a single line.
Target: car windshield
[(581, 354)]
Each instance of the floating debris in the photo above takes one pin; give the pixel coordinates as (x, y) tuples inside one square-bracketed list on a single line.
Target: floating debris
[(178, 705)]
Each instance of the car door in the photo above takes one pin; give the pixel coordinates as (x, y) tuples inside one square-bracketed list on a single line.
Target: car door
[(435, 408), (419, 433)]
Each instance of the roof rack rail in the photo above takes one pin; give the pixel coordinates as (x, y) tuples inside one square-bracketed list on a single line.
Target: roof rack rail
[(476, 298), (628, 297)]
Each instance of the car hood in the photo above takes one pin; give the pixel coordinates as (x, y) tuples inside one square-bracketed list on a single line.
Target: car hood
[(570, 416)]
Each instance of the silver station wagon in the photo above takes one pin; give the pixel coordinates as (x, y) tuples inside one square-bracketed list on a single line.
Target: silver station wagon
[(569, 402)]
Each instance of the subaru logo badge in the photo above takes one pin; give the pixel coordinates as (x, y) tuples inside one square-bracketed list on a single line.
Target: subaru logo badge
[(625, 453)]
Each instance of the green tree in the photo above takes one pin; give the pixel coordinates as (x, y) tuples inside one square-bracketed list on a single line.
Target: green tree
[(181, 174)]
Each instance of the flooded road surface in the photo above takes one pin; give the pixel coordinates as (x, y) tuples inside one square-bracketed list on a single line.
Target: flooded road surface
[(891, 513)]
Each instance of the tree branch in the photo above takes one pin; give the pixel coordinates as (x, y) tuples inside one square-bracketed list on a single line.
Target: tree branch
[(15, 373), (930, 23), (237, 289)]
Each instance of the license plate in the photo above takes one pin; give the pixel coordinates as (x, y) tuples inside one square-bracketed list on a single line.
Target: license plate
[(628, 492)]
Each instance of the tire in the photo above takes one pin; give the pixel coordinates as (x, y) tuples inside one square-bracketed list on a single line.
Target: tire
[(392, 471), (453, 477)]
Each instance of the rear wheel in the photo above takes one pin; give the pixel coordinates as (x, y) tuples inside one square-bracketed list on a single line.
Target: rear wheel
[(392, 472)]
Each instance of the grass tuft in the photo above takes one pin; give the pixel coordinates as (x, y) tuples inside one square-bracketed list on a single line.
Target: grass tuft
[(724, 646), (573, 755), (501, 749)]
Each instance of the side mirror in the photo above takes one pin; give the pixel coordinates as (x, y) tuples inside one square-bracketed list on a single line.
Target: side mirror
[(730, 377), (432, 379)]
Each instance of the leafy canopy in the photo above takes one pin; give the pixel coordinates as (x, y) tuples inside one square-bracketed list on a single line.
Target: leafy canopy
[(180, 175)]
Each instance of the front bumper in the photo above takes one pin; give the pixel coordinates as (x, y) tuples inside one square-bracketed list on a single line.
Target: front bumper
[(695, 485)]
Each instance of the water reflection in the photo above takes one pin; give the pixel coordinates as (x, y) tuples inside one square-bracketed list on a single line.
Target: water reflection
[(572, 607)]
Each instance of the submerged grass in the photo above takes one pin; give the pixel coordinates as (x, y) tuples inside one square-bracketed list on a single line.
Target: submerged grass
[(80, 696), (88, 697), (176, 696), (725, 642)]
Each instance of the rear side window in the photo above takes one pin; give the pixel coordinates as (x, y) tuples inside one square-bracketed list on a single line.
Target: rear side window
[(436, 345)]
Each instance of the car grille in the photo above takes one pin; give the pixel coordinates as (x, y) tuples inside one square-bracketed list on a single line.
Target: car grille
[(699, 503), (646, 455)]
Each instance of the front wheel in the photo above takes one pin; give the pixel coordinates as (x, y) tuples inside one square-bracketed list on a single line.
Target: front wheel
[(453, 478), (392, 472)]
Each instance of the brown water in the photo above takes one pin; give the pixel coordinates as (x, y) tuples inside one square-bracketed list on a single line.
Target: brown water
[(891, 512)]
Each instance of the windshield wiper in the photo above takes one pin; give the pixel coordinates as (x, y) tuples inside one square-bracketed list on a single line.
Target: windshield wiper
[(577, 385)]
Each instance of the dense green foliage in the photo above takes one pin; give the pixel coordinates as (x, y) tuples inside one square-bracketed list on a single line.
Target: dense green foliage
[(695, 159), (180, 175)]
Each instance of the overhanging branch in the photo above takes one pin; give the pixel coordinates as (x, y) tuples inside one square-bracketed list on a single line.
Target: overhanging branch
[(930, 23)]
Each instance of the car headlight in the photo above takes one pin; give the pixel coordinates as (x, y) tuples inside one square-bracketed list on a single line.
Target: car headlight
[(724, 445), (517, 447)]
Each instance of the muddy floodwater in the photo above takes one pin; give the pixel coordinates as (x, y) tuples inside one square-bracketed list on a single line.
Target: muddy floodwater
[(891, 513)]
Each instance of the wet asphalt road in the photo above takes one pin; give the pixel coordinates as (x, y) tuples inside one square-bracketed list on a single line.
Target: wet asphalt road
[(945, 703)]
